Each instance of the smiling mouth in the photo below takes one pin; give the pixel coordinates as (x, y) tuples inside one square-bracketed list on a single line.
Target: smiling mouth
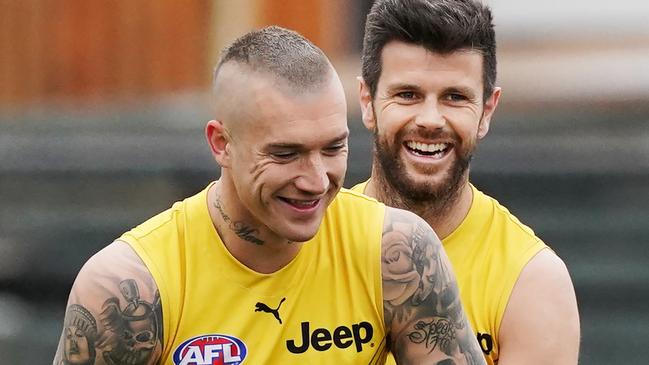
[(301, 204), (436, 150)]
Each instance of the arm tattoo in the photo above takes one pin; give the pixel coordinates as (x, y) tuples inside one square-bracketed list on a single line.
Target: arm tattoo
[(79, 337), (432, 334), (241, 229), (128, 333), (421, 300)]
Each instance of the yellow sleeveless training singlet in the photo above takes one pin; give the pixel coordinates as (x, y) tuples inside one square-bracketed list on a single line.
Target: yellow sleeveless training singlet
[(324, 307), (488, 251)]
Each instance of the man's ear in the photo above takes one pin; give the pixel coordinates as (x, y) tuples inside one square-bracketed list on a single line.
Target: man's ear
[(488, 112), (365, 100), (218, 140)]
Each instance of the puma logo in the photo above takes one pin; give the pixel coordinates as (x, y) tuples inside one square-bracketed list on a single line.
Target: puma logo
[(261, 307)]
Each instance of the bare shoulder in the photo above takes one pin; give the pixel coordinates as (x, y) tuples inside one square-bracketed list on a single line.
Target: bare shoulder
[(423, 312), (541, 321), (113, 315)]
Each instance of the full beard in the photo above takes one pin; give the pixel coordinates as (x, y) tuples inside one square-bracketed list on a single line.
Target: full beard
[(427, 199)]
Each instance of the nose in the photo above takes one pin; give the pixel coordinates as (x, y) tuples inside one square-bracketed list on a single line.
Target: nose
[(313, 178), (430, 116)]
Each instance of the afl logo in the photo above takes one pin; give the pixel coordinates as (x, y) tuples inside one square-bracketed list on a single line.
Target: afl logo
[(211, 350)]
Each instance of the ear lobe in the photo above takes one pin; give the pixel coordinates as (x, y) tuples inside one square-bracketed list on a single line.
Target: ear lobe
[(488, 112), (218, 140), (365, 100)]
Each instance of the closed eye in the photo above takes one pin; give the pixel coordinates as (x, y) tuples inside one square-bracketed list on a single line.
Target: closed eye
[(284, 155), (334, 149)]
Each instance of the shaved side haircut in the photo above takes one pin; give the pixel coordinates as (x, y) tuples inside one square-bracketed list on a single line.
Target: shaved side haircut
[(281, 53)]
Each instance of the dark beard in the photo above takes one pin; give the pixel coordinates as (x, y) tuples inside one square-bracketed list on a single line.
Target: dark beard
[(423, 199)]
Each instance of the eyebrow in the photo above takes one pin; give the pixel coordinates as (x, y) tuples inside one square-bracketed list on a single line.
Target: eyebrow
[(462, 90), (339, 138), (403, 86)]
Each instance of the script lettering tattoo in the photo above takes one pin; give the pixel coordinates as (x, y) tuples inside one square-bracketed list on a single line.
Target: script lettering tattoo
[(246, 233), (421, 299), (241, 229), (219, 206), (433, 334)]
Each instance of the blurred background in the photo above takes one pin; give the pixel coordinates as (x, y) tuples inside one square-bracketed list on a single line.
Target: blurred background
[(103, 103)]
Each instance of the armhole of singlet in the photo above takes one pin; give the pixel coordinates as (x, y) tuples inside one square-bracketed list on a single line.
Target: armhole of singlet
[(163, 290), (512, 278)]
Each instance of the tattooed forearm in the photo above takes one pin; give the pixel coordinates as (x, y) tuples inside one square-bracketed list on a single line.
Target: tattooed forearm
[(241, 229), (437, 333), (421, 299)]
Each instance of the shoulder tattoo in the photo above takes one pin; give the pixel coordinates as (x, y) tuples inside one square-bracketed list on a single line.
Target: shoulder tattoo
[(128, 330)]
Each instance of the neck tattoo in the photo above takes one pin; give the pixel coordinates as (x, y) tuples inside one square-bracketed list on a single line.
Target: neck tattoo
[(241, 229)]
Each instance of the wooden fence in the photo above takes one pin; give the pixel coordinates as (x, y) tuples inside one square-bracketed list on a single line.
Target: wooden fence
[(97, 49)]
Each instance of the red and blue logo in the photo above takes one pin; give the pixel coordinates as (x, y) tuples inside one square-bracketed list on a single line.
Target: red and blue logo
[(211, 350)]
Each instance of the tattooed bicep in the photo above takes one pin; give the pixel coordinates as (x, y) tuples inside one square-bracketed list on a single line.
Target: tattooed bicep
[(114, 313), (421, 300), (412, 263)]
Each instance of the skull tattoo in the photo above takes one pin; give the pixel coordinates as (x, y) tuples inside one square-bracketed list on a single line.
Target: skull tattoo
[(133, 331)]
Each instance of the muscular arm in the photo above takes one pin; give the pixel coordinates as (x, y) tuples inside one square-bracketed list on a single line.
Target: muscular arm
[(421, 300), (541, 322), (113, 314)]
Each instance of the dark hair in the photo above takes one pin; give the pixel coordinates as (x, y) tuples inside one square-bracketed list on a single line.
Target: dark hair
[(282, 53), (441, 26)]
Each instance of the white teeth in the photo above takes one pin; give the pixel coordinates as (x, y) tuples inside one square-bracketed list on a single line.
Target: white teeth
[(302, 203), (435, 147)]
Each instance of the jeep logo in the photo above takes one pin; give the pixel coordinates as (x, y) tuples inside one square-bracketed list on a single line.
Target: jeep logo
[(342, 337)]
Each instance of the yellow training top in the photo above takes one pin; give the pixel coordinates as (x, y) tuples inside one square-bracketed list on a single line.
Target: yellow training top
[(488, 251), (324, 307)]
